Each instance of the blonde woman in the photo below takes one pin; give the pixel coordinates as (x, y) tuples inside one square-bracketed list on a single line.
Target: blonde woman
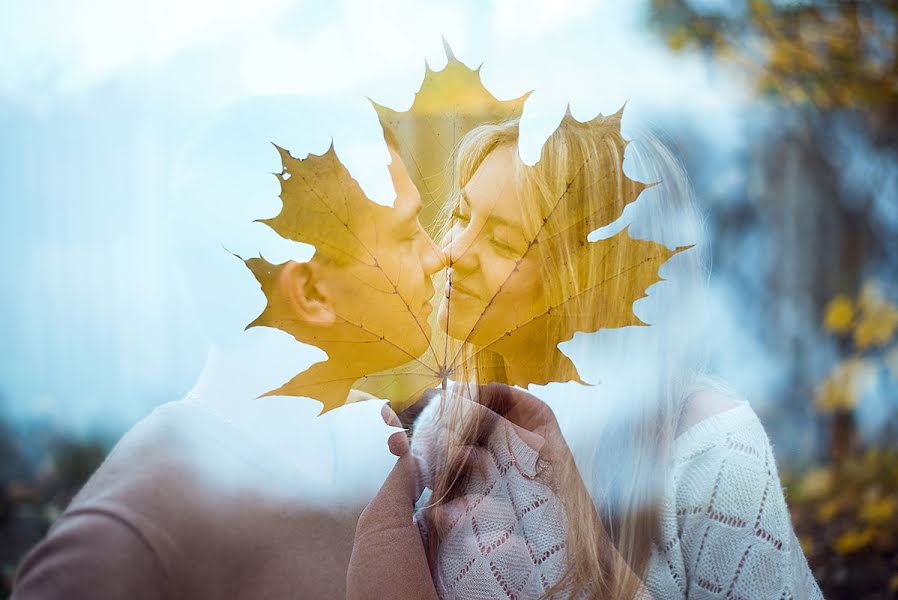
[(675, 492)]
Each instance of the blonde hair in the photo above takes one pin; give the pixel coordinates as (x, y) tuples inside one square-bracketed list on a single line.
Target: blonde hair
[(578, 159)]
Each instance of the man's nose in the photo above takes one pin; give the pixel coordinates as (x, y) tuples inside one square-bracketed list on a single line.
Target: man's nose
[(433, 258)]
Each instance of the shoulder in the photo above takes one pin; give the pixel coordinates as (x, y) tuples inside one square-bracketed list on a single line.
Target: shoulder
[(727, 490), (720, 436), (704, 404), (155, 477), (93, 554), (715, 423), (104, 543), (186, 452), (171, 443), (184, 469), (731, 510), (152, 446), (725, 476), (184, 492)]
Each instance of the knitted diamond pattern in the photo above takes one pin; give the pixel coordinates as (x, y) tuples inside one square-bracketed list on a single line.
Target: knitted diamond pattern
[(507, 532), (725, 530)]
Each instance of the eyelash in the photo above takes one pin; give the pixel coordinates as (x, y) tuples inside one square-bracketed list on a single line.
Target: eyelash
[(499, 244), (502, 246)]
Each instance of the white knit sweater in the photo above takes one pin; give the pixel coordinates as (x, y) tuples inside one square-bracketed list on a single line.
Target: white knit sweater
[(725, 527)]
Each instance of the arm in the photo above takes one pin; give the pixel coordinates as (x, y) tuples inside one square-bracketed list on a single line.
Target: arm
[(90, 554), (388, 559)]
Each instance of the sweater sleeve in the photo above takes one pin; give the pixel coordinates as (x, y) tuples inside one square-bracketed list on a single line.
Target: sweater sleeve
[(734, 526), (388, 559), (91, 554)]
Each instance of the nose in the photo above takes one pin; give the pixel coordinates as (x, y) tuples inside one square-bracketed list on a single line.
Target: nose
[(432, 258), (458, 249)]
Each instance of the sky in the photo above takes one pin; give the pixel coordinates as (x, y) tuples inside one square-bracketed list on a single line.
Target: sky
[(135, 154)]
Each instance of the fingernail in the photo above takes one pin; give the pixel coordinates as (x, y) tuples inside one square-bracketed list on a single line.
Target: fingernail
[(389, 416)]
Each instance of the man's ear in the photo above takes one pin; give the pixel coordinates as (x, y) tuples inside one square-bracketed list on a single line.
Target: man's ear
[(307, 294)]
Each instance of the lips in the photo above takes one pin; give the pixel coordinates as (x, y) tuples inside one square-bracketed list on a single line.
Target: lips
[(455, 288)]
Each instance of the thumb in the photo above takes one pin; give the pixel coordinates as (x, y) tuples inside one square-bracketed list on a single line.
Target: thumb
[(394, 503)]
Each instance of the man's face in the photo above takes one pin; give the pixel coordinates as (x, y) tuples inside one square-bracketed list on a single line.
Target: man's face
[(390, 292)]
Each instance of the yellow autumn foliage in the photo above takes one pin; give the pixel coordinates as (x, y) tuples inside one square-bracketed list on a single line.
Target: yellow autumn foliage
[(853, 540), (845, 385), (877, 319), (839, 314), (816, 483), (871, 322), (876, 511)]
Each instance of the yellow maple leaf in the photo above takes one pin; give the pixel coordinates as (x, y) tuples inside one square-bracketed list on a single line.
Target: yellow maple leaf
[(839, 314), (878, 319), (449, 103), (363, 300)]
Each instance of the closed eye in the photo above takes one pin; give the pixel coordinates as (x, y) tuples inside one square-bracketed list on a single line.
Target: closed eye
[(503, 246)]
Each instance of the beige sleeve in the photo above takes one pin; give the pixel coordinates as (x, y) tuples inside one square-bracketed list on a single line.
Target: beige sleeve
[(90, 554), (388, 559)]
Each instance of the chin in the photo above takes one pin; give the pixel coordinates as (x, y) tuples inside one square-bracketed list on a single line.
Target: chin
[(461, 323)]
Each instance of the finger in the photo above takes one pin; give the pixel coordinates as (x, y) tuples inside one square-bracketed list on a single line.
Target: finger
[(398, 443), (394, 503), (358, 396), (389, 416)]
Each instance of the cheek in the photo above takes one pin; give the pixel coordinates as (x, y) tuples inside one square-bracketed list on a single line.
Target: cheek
[(410, 274), (495, 272), (499, 271), (409, 260), (522, 285)]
